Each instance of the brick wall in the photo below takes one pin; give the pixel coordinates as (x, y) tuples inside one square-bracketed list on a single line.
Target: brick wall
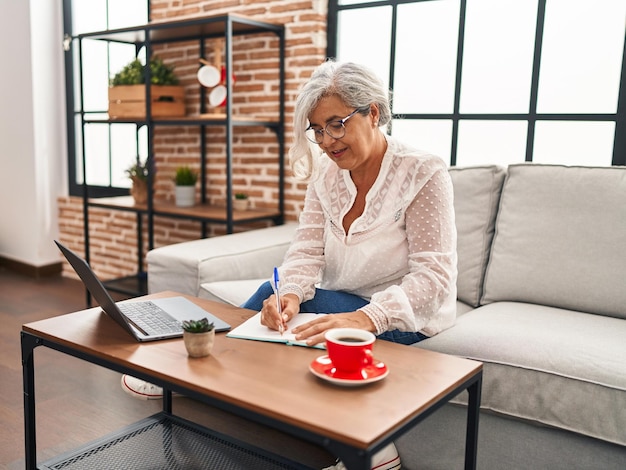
[(113, 234)]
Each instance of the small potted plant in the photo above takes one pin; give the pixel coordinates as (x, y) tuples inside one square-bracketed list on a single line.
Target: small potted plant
[(127, 92), (138, 173), (185, 180), (198, 336), (241, 202)]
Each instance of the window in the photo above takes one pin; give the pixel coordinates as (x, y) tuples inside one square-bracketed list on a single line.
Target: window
[(496, 81), (115, 147)]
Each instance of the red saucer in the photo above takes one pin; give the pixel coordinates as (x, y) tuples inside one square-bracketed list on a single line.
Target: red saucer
[(323, 368)]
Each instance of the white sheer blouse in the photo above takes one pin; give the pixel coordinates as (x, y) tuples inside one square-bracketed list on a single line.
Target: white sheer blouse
[(400, 254)]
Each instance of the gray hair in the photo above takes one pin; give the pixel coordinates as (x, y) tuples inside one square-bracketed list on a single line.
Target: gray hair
[(354, 84)]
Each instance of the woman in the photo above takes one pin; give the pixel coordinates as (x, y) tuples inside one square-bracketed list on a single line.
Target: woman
[(376, 241), (377, 234)]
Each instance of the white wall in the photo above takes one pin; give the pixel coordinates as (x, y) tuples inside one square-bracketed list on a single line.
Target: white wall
[(33, 163)]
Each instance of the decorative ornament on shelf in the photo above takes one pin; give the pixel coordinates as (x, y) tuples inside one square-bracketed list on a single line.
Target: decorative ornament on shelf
[(214, 77), (198, 336), (240, 203), (185, 180), (138, 173)]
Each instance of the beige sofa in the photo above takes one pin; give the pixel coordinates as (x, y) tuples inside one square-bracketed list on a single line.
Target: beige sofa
[(541, 302)]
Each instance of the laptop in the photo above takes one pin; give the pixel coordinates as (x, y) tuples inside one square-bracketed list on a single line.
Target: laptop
[(145, 320)]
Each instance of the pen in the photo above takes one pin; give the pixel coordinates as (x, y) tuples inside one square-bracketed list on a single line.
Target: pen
[(281, 329)]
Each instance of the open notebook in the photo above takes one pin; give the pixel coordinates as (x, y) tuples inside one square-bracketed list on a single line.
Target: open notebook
[(253, 330)]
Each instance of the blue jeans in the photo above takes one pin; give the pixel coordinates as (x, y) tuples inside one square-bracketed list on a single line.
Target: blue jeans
[(327, 301)]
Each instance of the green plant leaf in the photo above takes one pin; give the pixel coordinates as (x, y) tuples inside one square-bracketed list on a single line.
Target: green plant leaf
[(185, 176), (133, 74), (138, 170), (197, 326)]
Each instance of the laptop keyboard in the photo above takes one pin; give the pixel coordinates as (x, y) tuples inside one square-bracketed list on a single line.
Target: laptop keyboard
[(150, 318)]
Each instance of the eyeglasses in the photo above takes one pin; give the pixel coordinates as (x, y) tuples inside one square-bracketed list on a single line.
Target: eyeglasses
[(335, 129)]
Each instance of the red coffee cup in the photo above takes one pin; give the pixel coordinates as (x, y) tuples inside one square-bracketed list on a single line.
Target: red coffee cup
[(350, 349)]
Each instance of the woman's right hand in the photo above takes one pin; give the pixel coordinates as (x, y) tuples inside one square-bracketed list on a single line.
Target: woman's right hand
[(270, 317)]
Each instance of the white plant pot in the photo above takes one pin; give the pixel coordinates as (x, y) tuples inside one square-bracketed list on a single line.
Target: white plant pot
[(240, 204), (185, 196), (199, 344)]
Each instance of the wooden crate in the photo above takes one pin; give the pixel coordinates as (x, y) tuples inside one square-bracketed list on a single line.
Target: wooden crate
[(129, 101)]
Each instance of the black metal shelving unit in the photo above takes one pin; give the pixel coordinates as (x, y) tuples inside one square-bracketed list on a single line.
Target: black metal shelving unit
[(204, 29)]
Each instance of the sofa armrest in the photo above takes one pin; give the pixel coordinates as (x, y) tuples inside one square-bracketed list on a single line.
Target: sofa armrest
[(183, 267)]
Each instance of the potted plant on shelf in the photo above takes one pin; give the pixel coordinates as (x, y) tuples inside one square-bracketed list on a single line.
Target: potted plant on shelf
[(185, 180), (240, 202), (138, 173), (127, 92), (198, 336)]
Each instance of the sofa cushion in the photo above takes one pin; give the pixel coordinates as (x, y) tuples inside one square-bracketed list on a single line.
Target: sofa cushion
[(560, 238), (231, 292), (554, 366), (184, 267), (476, 197)]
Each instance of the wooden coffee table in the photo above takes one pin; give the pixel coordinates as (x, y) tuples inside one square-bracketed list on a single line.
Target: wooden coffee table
[(268, 383)]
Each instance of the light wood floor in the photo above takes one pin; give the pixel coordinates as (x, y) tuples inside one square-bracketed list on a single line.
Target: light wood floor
[(78, 402)]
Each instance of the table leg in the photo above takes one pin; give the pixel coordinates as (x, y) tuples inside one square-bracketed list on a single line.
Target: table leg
[(473, 411), (167, 401), (29, 343)]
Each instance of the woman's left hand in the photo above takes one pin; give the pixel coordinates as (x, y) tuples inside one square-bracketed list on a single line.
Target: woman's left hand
[(313, 331)]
